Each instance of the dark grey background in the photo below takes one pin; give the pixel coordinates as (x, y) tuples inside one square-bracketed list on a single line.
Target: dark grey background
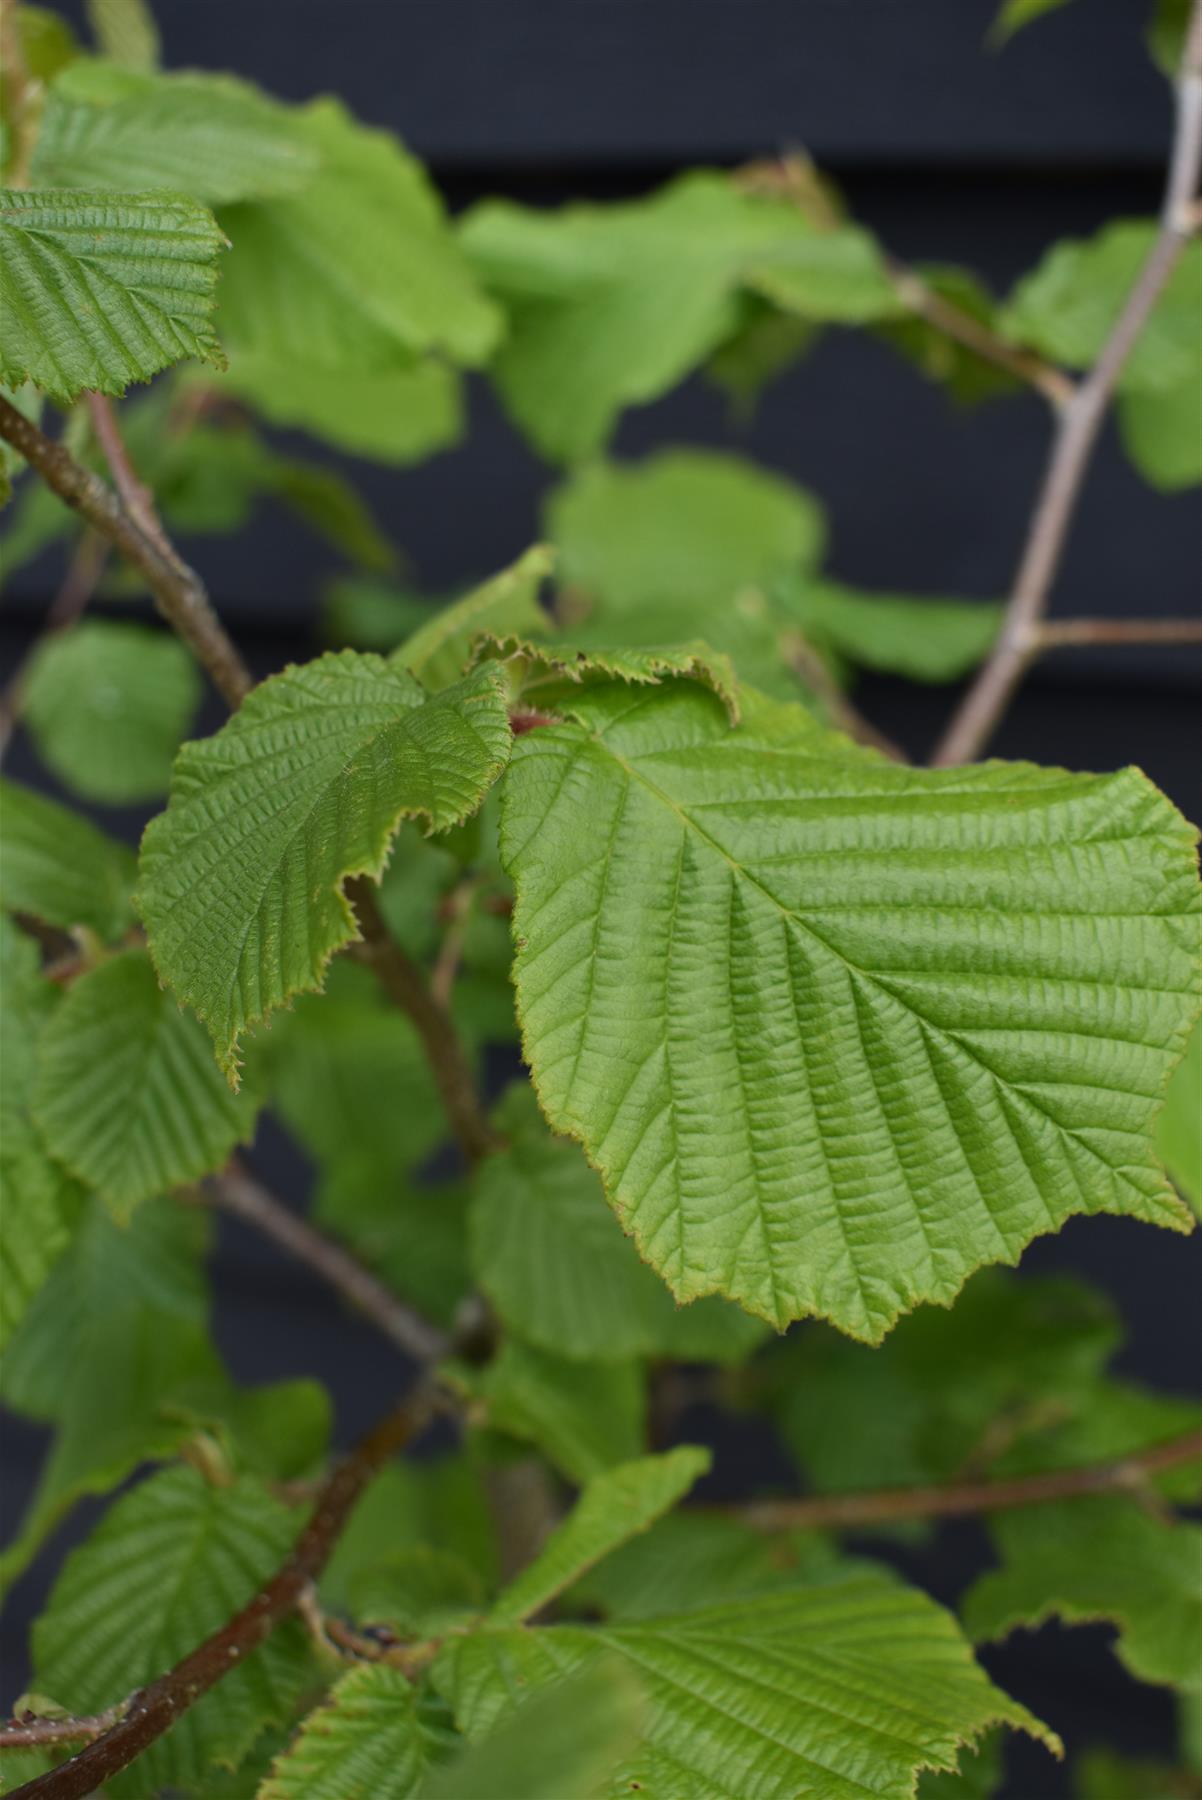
[(950, 152)]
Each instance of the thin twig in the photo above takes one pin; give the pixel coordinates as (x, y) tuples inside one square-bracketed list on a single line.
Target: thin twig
[(136, 497), (31, 1732), (156, 1708), (987, 699), (1053, 634), (178, 590), (802, 657), (887, 1505), (237, 1192)]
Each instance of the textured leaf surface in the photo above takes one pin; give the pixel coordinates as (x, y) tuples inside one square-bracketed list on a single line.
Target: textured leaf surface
[(168, 1564), (108, 705), (128, 1096), (565, 1741), (58, 867), (241, 878), (584, 1416), (831, 1692), (438, 652), (614, 1507), (926, 640), (1179, 1127), (99, 290), (833, 1031), (368, 1741), (552, 1258), (209, 136), (540, 675), (610, 306), (1099, 1558)]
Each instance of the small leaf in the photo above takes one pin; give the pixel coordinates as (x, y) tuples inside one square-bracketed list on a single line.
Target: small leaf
[(433, 1506), (541, 676), (748, 959), (439, 651), (846, 1687), (1014, 14), (242, 878), (1159, 429), (1099, 1558), (924, 640), (367, 1741), (99, 290), (125, 31), (415, 1590), (128, 1097), (1179, 1127), (168, 1564), (613, 1508), (107, 705), (584, 1416), (58, 867)]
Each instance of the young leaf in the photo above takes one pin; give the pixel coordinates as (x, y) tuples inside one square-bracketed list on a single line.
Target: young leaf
[(439, 651), (613, 1508), (168, 1564), (98, 290), (107, 705), (125, 31), (925, 640), (1159, 429), (611, 306), (567, 1740), (552, 1258), (414, 1591), (209, 136), (1179, 1127), (368, 1740), (242, 878), (749, 959), (127, 1095), (58, 867), (584, 1416), (837, 1689), (1099, 1558), (543, 674), (434, 1505)]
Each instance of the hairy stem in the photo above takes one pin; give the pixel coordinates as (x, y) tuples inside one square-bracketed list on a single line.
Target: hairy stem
[(153, 1710), (1080, 422), (883, 1506), (237, 1192), (178, 591), (31, 1733)]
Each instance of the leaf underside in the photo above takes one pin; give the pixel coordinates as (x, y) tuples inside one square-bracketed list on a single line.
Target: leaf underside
[(835, 1032)]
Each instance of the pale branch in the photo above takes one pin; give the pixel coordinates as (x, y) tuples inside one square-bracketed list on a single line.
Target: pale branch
[(406, 986), (843, 715), (1077, 431), (236, 1192), (155, 1708), (136, 497), (1055, 634), (30, 1732), (885, 1506), (178, 591)]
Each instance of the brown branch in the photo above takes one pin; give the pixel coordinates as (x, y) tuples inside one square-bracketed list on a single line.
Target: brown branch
[(31, 1733), (805, 661), (405, 984), (237, 1192), (156, 1708), (136, 497), (1079, 424), (884, 1506), (1055, 634), (178, 591)]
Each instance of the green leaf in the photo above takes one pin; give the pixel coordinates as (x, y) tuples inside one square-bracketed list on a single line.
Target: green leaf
[(583, 1416), (107, 705), (1160, 432), (1099, 1558), (613, 1508), (439, 650), (838, 1689), (1012, 15), (370, 615), (1166, 34), (552, 1258), (925, 640), (58, 867), (417, 1591), (414, 1237), (170, 1563), (125, 31), (209, 136), (611, 306), (431, 1506), (1066, 307), (127, 1096), (1105, 1775), (979, 1776), (967, 377), (335, 295), (542, 675), (98, 291), (564, 1741), (38, 1203), (748, 960), (1179, 1127), (367, 1741), (242, 878)]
